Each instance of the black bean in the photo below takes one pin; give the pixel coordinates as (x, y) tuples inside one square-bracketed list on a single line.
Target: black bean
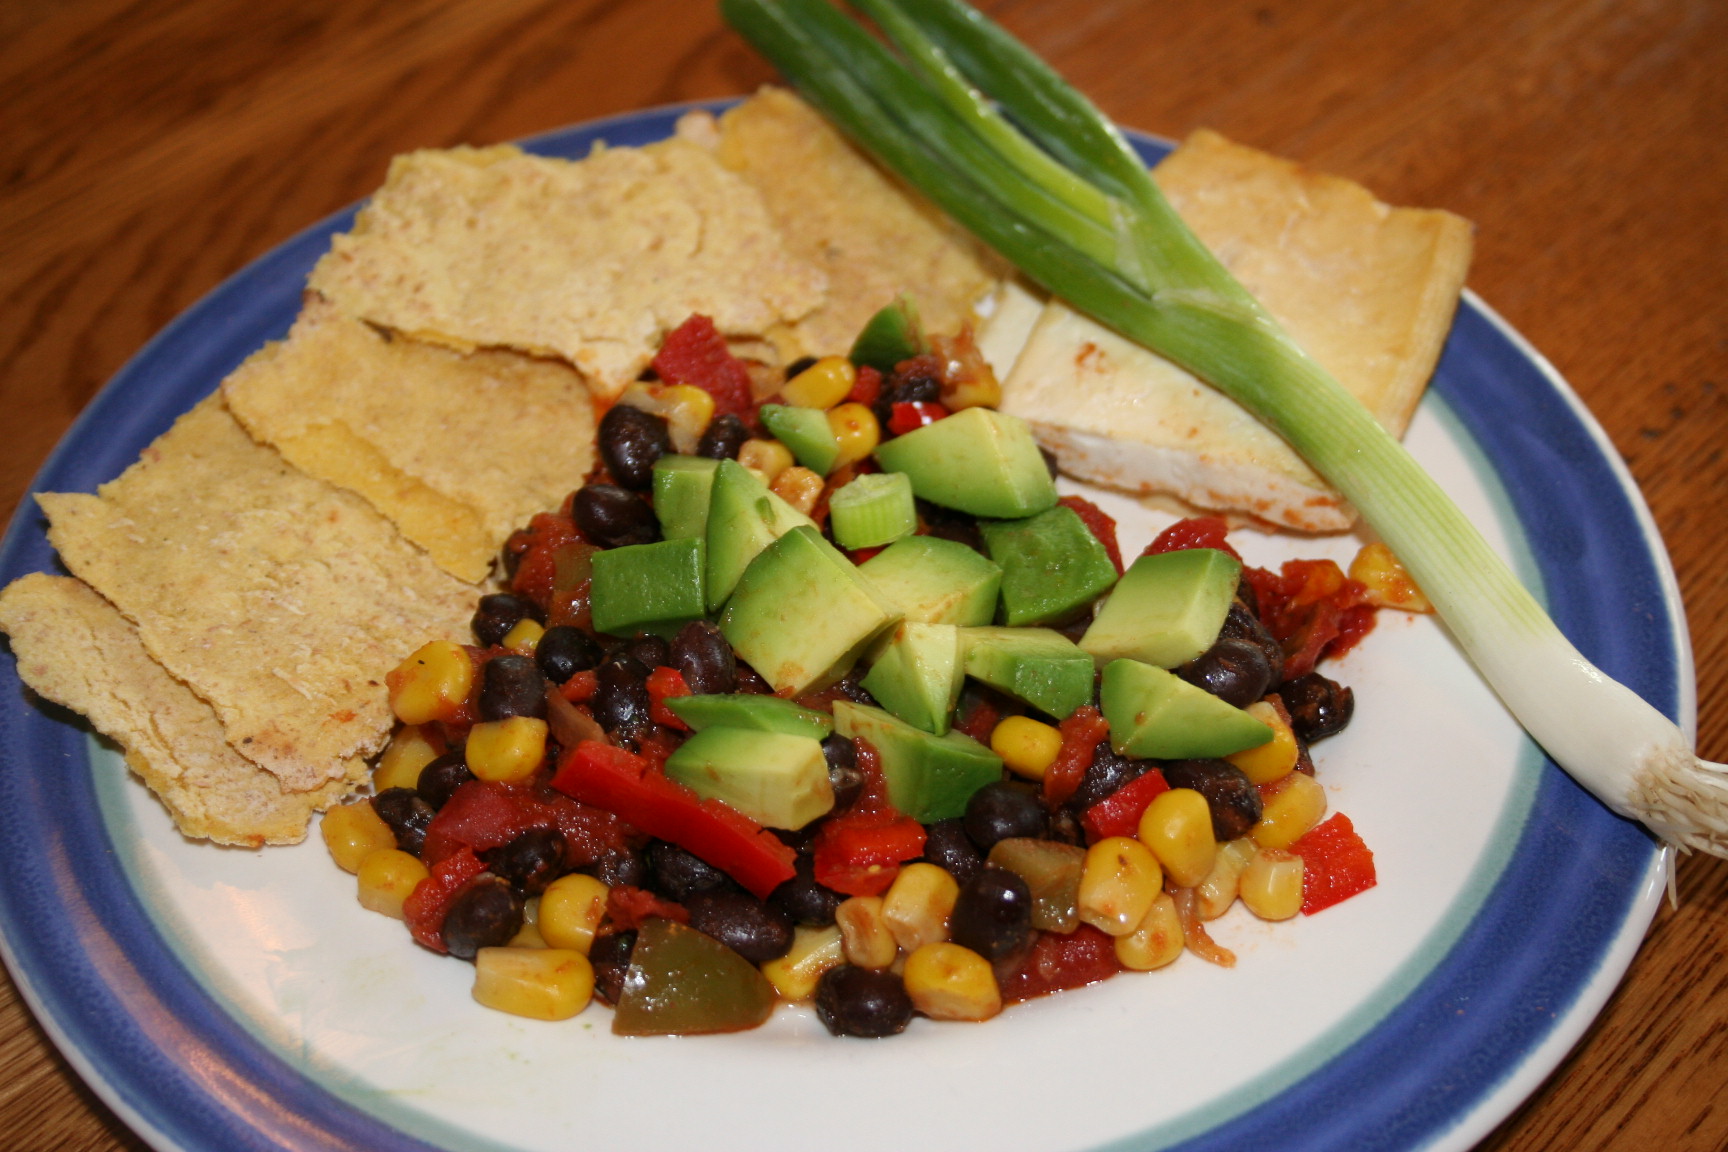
[(1243, 623), (530, 861), (1318, 707), (705, 659), (406, 814), (723, 437), (649, 651), (499, 612), (613, 517), (947, 846), (748, 926), (799, 366), (859, 1002), (1002, 810), (1108, 771), (1234, 670), (621, 695), (487, 914), (622, 866), (993, 915), (914, 389), (947, 524), (564, 651), (803, 899), (610, 956), (844, 775), (678, 874), (630, 441), (441, 777), (1230, 796), (512, 686), (1050, 463)]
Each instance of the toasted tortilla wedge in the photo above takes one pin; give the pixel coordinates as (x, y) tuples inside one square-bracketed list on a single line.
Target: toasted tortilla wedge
[(75, 649), (276, 597), (457, 449), (1368, 290), (592, 261)]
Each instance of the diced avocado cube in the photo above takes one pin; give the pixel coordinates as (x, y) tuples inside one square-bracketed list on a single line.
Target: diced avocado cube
[(893, 334), (806, 432), (929, 777), (648, 587), (1052, 566), (1154, 713), (978, 460), (744, 517), (682, 485), (756, 713), (918, 675), (873, 510), (1039, 666), (1167, 609), (776, 779), (802, 615), (929, 580)]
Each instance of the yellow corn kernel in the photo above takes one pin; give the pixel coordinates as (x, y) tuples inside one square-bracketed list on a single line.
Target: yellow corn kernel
[(1118, 883), (1027, 746), (813, 952), (948, 982), (432, 683), (570, 911), (799, 487), (1274, 759), (917, 905), (1215, 894), (868, 941), (766, 458), (1295, 808), (539, 983), (385, 879), (979, 389), (1177, 827), (505, 751), (1155, 941), (1272, 885), (408, 751), (823, 384), (855, 431), (353, 832), (528, 936), (1388, 584), (524, 636)]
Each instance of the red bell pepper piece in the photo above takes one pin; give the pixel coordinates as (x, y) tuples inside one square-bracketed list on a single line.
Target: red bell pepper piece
[(1080, 735), (620, 781), (695, 353), (1118, 814), (1100, 523), (1336, 864), (910, 415), (866, 386), (424, 909), (581, 687), (1056, 962), (663, 683), (1194, 532)]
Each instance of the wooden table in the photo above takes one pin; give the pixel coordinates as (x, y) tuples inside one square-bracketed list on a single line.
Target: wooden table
[(152, 147)]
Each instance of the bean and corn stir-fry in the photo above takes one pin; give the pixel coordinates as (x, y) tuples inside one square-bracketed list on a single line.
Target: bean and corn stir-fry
[(814, 691)]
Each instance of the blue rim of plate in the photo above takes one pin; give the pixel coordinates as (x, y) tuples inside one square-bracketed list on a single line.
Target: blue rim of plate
[(1517, 987)]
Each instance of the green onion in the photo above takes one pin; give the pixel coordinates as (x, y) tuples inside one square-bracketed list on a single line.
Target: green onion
[(986, 130)]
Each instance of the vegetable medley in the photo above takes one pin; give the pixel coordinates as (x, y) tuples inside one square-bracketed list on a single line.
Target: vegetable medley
[(831, 697)]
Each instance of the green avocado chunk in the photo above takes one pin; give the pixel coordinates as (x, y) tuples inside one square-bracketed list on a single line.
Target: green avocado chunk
[(806, 432), (758, 713), (777, 780), (744, 517), (682, 982), (682, 486), (929, 580), (648, 587), (917, 675), (1052, 566), (1154, 713), (801, 614), (1038, 666), (1167, 609), (978, 460), (929, 777)]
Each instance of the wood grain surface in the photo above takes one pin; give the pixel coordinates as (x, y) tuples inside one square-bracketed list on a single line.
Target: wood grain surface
[(150, 148)]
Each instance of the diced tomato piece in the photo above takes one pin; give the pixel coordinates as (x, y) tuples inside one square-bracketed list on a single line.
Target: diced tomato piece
[(860, 853), (424, 909), (910, 415), (1118, 814), (627, 908), (1194, 532), (1336, 864), (980, 721), (866, 386), (664, 683), (1313, 610), (1057, 962), (539, 547), (696, 353), (482, 815), (581, 687), (1081, 733), (863, 554), (1100, 523)]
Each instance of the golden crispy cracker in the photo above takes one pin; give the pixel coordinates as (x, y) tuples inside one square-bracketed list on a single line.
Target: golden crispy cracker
[(75, 649), (275, 596), (458, 449), (874, 237), (593, 261)]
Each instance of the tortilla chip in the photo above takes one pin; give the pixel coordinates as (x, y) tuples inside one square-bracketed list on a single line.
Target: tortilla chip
[(457, 449), (875, 238), (277, 598), (75, 649), (593, 261)]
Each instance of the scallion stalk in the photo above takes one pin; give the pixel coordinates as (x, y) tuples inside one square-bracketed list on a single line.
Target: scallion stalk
[(984, 128)]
